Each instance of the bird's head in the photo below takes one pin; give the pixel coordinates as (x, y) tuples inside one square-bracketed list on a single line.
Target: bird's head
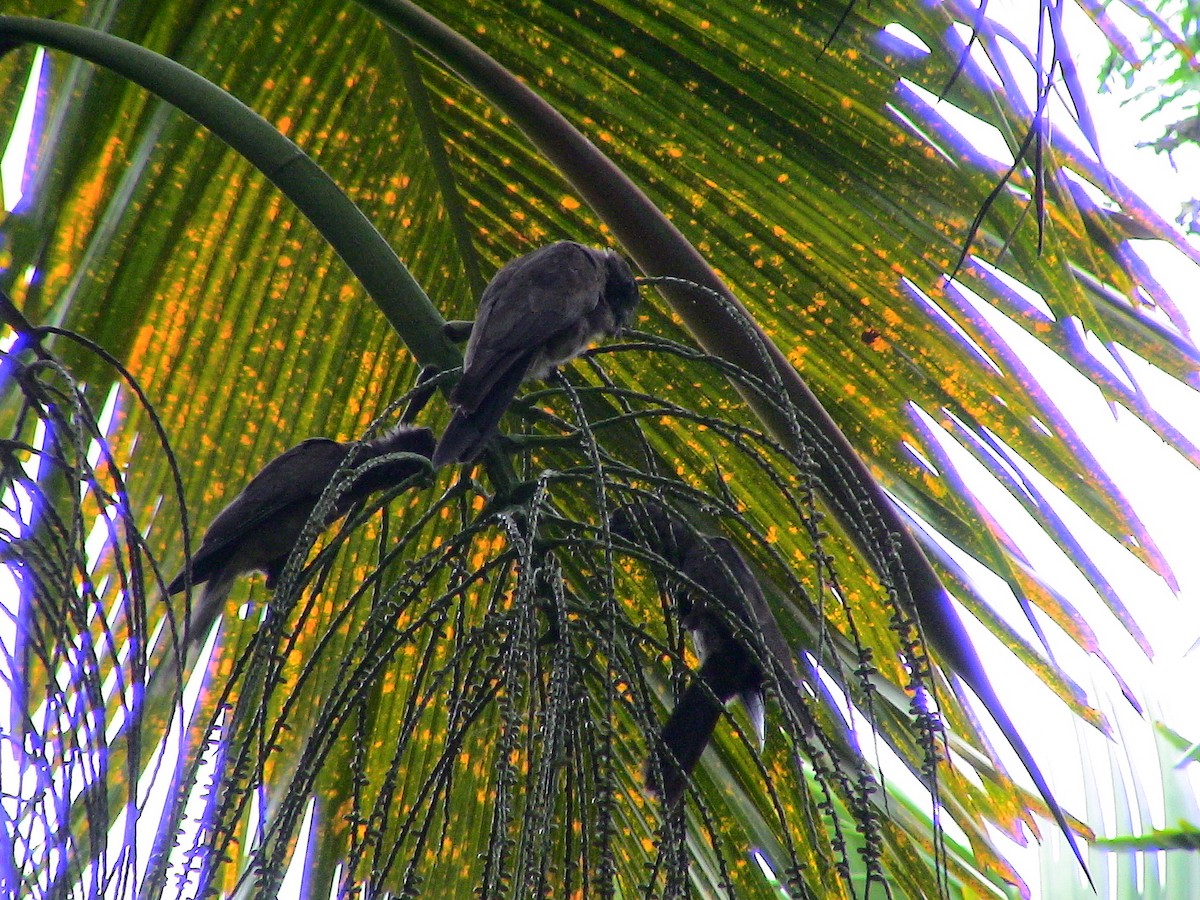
[(403, 439), (620, 289)]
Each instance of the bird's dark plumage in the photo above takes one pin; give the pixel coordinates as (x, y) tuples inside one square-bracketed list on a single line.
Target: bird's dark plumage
[(539, 311), (714, 572), (259, 529)]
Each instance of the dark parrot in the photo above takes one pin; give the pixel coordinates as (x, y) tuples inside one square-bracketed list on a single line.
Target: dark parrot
[(539, 311), (259, 529), (714, 575)]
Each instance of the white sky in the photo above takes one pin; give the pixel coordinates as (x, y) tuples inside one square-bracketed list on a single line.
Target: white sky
[(1164, 490)]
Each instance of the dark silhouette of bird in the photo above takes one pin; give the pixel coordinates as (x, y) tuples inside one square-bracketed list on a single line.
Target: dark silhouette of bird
[(259, 529), (714, 586), (539, 311)]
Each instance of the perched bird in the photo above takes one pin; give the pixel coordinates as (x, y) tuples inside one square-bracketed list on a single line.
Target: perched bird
[(713, 572), (259, 529), (540, 310)]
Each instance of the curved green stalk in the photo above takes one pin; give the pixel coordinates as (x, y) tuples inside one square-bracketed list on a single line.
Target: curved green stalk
[(331, 212)]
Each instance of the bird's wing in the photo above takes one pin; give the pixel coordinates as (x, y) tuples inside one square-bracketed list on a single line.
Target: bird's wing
[(753, 607), (298, 475), (527, 304)]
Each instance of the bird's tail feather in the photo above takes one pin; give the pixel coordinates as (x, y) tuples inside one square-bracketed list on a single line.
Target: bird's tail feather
[(752, 699), (461, 440), (186, 645), (682, 742), (468, 430), (206, 611)]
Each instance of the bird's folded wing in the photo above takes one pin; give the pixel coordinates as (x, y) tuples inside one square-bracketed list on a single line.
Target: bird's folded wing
[(531, 301), (298, 475)]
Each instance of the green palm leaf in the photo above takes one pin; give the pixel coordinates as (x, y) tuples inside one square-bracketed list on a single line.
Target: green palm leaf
[(468, 697)]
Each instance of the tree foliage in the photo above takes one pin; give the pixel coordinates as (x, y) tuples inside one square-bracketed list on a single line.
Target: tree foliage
[(460, 684), (1158, 70)]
